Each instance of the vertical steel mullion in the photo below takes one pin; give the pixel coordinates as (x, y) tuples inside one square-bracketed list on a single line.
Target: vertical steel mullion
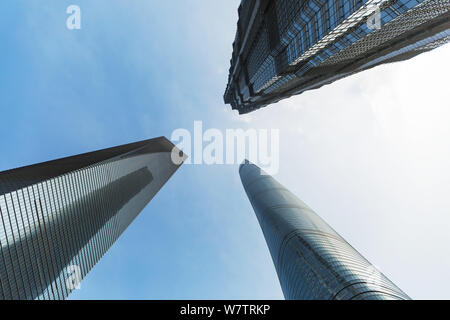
[(2, 292), (103, 232), (108, 192), (113, 177), (90, 219), (67, 227), (29, 240), (57, 226), (46, 253), (82, 207), (108, 236), (118, 194), (17, 254), (43, 246), (109, 231), (52, 256), (100, 232), (76, 227), (93, 219), (99, 240), (34, 243), (48, 241), (55, 239), (9, 253), (26, 286)]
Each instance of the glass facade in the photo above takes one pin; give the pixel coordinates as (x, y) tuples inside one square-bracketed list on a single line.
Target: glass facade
[(284, 47), (312, 261), (60, 217)]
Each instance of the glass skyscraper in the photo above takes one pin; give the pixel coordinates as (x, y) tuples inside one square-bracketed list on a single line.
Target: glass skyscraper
[(285, 47), (58, 218), (311, 259)]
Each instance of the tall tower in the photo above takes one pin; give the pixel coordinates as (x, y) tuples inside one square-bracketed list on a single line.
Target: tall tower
[(58, 218), (311, 259), (285, 47)]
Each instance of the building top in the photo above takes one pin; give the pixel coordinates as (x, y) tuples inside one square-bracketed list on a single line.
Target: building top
[(18, 178)]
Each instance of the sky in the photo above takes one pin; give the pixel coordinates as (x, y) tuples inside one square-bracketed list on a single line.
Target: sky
[(369, 153)]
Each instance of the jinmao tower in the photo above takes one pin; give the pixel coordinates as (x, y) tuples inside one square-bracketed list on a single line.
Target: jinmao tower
[(58, 218), (311, 259), (285, 47)]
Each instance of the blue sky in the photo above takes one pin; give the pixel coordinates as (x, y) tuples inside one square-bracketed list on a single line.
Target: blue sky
[(369, 153), (137, 70)]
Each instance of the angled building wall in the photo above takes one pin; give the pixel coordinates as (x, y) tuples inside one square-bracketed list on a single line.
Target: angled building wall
[(311, 259), (67, 213), (285, 47)]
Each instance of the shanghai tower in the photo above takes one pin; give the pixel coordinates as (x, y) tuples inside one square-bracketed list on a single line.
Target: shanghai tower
[(59, 218), (285, 47), (313, 262)]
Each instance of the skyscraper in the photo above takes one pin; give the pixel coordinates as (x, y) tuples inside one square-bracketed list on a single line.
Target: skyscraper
[(58, 218), (311, 259), (285, 47)]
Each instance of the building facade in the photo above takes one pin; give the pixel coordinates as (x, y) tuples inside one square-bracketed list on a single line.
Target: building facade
[(311, 259), (58, 218), (285, 47)]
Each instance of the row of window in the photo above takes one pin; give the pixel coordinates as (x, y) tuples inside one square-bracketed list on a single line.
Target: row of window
[(51, 231)]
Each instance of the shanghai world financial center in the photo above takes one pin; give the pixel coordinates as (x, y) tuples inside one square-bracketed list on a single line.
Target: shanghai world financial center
[(58, 218)]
